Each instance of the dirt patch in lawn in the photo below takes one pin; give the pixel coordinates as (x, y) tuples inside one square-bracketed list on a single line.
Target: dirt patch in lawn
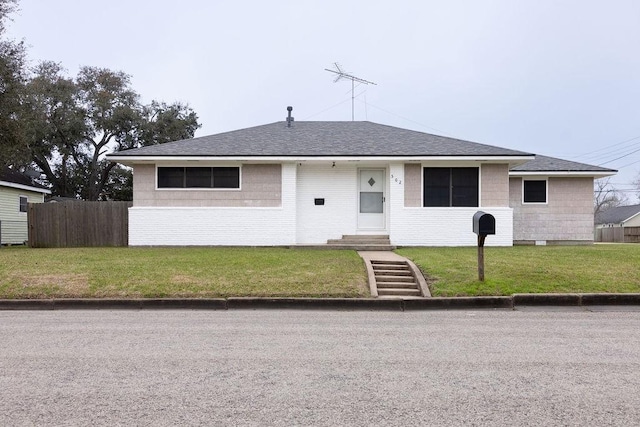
[(41, 285)]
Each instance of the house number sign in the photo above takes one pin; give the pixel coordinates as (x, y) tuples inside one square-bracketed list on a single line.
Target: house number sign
[(396, 179)]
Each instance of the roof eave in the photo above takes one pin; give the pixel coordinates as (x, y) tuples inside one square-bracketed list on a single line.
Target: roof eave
[(24, 187), (631, 217), (131, 160), (599, 174)]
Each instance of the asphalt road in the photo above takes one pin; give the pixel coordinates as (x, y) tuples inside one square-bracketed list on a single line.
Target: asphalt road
[(319, 368)]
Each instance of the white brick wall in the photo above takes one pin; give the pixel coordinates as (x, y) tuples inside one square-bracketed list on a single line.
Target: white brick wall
[(338, 186), (180, 226), (416, 226), (300, 221)]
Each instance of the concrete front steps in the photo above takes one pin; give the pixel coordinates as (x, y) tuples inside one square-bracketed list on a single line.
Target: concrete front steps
[(362, 243), (395, 278)]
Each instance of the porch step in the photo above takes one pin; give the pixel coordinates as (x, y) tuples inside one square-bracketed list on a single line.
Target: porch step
[(358, 242), (361, 243), (392, 272), (396, 285), (365, 236), (397, 292), (394, 279), (353, 247)]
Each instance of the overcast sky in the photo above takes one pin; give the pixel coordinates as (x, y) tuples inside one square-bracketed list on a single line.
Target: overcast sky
[(560, 78)]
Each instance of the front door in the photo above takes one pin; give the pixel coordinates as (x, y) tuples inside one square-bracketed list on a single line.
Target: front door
[(371, 199)]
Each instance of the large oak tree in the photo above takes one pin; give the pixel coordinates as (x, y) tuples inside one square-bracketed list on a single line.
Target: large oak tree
[(74, 122), (13, 148)]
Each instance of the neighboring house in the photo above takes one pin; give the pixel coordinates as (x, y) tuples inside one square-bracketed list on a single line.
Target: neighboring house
[(303, 183), (16, 191), (620, 224)]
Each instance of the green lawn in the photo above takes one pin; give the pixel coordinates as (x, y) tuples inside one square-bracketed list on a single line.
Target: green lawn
[(179, 272), (530, 269), (277, 272)]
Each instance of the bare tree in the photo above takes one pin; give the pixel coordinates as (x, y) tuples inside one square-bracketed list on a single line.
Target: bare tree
[(636, 185), (606, 196)]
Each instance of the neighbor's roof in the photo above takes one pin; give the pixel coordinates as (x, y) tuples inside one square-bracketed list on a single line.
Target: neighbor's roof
[(617, 215), (316, 139), (551, 164), (12, 178)]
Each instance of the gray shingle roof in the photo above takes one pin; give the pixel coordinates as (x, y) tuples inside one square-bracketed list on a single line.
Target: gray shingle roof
[(322, 139), (551, 164), (617, 215), (15, 177)]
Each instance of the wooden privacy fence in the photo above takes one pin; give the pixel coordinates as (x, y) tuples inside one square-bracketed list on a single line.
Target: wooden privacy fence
[(632, 234), (78, 224), (618, 234)]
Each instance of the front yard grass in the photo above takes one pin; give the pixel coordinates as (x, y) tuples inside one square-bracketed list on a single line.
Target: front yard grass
[(180, 272), (278, 272), (530, 269)]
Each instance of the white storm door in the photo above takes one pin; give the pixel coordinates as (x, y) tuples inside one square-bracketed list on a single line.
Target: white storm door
[(371, 199)]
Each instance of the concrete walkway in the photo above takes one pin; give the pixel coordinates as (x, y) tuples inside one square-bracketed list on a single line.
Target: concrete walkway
[(381, 256), (369, 256)]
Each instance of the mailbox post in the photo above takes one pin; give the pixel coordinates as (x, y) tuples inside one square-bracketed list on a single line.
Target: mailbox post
[(483, 225)]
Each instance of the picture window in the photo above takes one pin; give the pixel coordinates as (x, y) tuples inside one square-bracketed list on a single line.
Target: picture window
[(199, 177), (450, 187)]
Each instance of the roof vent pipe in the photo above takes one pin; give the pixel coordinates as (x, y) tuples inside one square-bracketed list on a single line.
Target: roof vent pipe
[(289, 118)]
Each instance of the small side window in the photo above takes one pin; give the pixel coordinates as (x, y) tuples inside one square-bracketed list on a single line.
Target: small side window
[(534, 191), (23, 203)]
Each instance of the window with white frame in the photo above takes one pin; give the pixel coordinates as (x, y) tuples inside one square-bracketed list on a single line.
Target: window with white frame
[(23, 203), (199, 177), (534, 191)]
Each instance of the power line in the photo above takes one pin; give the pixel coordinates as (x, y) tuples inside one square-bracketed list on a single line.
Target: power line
[(621, 157), (327, 109), (409, 120), (613, 153), (608, 147)]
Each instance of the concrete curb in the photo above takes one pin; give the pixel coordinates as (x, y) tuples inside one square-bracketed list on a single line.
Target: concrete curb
[(113, 304), (610, 299), (315, 303), (546, 299), (388, 304), (443, 303), (26, 304)]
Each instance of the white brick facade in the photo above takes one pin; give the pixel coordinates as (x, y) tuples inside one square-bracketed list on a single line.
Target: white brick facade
[(299, 221), (419, 226), (337, 185), (225, 226)]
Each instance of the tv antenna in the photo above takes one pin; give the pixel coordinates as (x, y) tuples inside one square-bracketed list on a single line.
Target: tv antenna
[(344, 75)]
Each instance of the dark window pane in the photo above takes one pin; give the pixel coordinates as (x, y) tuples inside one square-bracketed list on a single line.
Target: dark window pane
[(436, 196), (450, 186), (226, 177), (464, 186), (535, 191), (170, 177), (23, 204), (198, 177), (437, 186)]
